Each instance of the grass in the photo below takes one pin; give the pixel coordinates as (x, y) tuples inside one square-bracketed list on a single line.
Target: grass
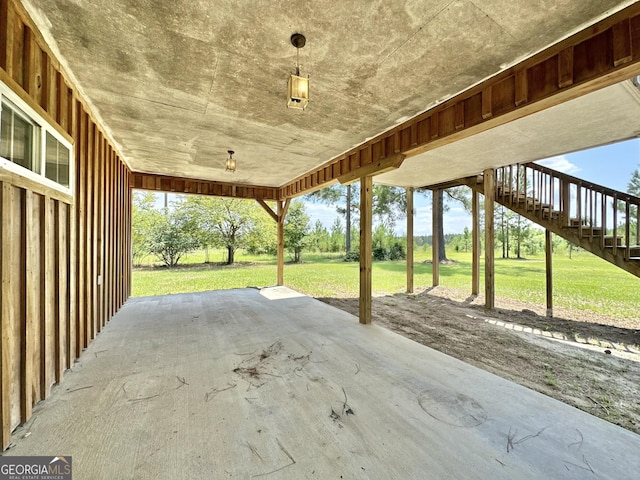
[(584, 282)]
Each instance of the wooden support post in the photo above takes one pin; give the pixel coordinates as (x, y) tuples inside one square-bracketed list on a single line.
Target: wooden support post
[(435, 238), (410, 240), (475, 246), (283, 206), (366, 217), (489, 267), (549, 271)]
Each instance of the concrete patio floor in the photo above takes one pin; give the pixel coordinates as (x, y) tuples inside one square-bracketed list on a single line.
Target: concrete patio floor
[(272, 384)]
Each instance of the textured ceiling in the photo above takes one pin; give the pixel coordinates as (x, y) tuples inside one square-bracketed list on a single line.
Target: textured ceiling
[(178, 83)]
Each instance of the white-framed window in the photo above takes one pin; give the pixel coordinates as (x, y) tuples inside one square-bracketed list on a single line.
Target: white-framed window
[(30, 146)]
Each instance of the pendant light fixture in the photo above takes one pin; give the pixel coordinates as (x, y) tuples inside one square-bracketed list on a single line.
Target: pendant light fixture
[(231, 163), (298, 87)]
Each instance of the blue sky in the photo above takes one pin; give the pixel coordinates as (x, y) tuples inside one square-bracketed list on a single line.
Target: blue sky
[(610, 166)]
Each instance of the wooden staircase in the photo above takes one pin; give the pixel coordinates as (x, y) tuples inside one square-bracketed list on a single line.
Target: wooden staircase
[(602, 221)]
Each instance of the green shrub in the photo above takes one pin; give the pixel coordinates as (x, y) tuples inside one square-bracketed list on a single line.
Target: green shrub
[(352, 256)]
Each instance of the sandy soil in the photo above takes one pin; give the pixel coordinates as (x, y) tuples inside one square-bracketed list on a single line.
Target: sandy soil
[(566, 357)]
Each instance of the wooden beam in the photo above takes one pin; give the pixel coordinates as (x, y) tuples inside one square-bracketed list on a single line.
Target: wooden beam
[(435, 238), (165, 183), (548, 250), (475, 248), (410, 240), (267, 209), (283, 208), (489, 239), (384, 165), (366, 217)]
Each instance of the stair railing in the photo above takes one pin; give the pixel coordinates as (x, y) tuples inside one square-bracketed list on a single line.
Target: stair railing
[(594, 210)]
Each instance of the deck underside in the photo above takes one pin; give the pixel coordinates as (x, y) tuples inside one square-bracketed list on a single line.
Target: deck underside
[(272, 384)]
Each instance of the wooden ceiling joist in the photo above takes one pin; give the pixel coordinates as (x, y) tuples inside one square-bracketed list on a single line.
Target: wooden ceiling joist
[(162, 183)]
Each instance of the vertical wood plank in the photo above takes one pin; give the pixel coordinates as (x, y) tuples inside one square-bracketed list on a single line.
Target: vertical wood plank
[(366, 217), (487, 105), (45, 82), (489, 238), (5, 38), (475, 246), (16, 45), (61, 289), (12, 310), (73, 246), (48, 296), (459, 116), (622, 43), (112, 233), (107, 234), (7, 310), (28, 62), (89, 263), (434, 129), (410, 214), (80, 230), (565, 67), (51, 292), (32, 299), (521, 87), (96, 194)]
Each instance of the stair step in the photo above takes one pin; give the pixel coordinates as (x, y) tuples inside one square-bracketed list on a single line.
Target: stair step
[(608, 241), (586, 231), (548, 212), (634, 250)]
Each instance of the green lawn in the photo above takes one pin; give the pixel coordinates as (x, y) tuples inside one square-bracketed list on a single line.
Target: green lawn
[(584, 282)]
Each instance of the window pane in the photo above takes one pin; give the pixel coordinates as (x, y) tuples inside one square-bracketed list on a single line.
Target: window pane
[(5, 133), (22, 147), (57, 161)]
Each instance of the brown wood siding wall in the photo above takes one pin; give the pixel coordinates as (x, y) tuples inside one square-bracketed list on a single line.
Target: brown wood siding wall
[(55, 247)]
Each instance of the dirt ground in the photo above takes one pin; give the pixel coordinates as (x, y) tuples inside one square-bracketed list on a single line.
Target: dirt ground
[(513, 341)]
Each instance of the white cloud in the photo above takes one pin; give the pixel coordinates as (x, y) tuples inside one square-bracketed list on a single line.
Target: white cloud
[(325, 213), (561, 164)]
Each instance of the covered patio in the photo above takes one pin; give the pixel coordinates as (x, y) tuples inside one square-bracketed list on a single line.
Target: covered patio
[(269, 383), (125, 95)]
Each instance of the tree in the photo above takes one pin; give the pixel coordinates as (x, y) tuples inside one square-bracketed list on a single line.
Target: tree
[(232, 221), (172, 235), (319, 238), (296, 229), (231, 224), (336, 238), (503, 220), (520, 230), (143, 217), (633, 187), (389, 204), (345, 198), (198, 210), (455, 194)]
